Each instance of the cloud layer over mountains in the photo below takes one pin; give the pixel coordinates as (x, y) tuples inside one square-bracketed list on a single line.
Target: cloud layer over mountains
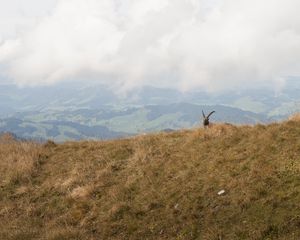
[(187, 44)]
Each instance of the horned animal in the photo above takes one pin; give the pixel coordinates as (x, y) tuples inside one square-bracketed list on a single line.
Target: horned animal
[(206, 118)]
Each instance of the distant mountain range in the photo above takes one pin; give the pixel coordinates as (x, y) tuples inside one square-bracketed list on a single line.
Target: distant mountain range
[(107, 124), (72, 111), (72, 96), (56, 130)]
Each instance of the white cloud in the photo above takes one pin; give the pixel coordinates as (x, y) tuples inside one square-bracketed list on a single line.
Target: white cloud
[(183, 43), (17, 16)]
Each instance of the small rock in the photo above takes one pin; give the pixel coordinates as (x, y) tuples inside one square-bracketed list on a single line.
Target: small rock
[(176, 206), (222, 192)]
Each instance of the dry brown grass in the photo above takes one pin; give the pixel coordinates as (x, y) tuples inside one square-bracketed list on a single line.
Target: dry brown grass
[(159, 186), (18, 159)]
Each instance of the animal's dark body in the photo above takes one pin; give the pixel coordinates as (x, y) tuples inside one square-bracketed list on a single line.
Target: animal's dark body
[(206, 118)]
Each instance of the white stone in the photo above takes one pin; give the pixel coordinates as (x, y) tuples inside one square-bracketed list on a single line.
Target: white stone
[(221, 192)]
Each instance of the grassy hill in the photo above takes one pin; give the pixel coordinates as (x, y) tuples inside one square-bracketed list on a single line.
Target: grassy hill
[(159, 186)]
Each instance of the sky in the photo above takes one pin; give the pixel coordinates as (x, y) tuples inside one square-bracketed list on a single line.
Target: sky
[(212, 45)]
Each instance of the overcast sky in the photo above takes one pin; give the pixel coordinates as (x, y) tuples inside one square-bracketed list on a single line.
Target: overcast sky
[(187, 44)]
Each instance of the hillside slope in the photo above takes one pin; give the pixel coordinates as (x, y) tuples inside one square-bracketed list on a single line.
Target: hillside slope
[(160, 186)]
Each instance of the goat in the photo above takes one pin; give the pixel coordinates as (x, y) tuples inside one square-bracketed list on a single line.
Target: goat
[(206, 118)]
